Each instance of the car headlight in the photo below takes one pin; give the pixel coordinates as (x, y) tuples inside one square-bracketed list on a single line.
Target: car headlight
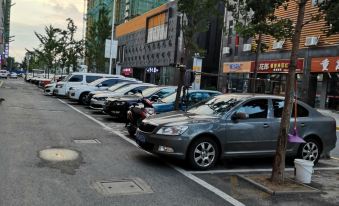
[(59, 86), (100, 98), (173, 130)]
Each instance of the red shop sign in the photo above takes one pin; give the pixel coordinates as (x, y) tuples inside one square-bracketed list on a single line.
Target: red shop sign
[(278, 66), (127, 71)]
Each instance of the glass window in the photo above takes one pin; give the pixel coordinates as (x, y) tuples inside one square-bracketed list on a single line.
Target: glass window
[(157, 27), (109, 82), (90, 79), (278, 106), (197, 97), (76, 78), (255, 109), (165, 92)]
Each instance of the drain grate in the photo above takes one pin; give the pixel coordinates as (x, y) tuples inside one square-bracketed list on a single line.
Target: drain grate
[(129, 186), (87, 141)]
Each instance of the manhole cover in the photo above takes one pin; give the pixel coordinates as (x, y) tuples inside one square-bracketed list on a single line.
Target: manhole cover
[(130, 186), (87, 141), (58, 155)]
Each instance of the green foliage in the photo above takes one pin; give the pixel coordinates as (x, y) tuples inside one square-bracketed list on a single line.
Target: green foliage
[(255, 17), (331, 11), (99, 31), (197, 17)]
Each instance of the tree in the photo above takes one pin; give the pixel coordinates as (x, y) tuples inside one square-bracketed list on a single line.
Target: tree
[(327, 8), (99, 31), (255, 18), (331, 10), (197, 15), (49, 47)]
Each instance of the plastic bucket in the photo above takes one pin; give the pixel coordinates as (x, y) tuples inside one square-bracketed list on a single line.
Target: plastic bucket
[(303, 170)]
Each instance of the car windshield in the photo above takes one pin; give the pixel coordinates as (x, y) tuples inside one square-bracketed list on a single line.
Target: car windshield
[(128, 88), (170, 98), (148, 92), (67, 78), (118, 86), (217, 106), (96, 82)]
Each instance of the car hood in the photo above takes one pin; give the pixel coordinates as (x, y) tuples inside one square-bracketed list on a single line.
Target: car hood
[(108, 94), (100, 92), (126, 98), (179, 118)]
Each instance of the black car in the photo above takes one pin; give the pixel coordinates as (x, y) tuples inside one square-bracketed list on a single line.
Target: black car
[(118, 106)]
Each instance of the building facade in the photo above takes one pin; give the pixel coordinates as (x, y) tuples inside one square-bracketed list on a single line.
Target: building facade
[(317, 67), (151, 45)]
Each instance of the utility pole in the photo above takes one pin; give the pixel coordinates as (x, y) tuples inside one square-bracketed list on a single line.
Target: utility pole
[(112, 36)]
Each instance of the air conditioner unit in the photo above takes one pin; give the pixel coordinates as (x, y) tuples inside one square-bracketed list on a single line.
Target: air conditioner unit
[(247, 47), (317, 2), (311, 41), (226, 50), (278, 44)]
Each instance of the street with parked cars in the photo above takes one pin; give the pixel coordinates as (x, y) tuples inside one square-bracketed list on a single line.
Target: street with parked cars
[(211, 133)]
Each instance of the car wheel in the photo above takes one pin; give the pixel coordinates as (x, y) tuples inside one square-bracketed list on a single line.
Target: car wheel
[(83, 98), (310, 150), (203, 153)]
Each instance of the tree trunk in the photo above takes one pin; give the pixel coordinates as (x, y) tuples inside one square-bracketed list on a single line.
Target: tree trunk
[(279, 159), (256, 64)]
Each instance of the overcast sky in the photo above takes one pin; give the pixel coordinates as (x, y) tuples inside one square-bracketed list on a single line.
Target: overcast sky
[(28, 16)]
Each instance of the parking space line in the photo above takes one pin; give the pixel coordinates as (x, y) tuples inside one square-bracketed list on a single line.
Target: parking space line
[(197, 180), (335, 158), (1, 82), (255, 170)]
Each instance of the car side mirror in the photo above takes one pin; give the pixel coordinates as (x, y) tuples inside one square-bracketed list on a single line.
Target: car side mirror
[(239, 115), (154, 98), (99, 85)]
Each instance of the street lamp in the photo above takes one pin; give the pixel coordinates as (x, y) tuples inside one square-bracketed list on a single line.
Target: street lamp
[(112, 36)]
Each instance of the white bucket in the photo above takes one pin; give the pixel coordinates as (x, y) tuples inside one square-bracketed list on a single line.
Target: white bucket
[(303, 170)]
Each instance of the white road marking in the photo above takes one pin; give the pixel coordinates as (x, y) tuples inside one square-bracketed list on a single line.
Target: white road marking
[(197, 180), (255, 170)]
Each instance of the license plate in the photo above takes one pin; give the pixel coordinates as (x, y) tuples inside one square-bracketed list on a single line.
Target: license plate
[(140, 137), (115, 112)]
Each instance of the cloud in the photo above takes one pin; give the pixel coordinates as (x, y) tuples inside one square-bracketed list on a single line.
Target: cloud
[(28, 16)]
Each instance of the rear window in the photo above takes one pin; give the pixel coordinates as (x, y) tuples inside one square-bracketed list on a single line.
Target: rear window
[(278, 106), (90, 79)]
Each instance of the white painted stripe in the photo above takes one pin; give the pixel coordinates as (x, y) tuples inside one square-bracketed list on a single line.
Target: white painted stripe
[(208, 186), (197, 180), (107, 128), (255, 170)]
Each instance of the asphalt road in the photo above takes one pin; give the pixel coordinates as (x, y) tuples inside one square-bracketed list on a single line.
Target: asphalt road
[(31, 122)]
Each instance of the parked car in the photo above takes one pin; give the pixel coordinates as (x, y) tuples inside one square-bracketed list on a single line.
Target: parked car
[(13, 75), (235, 126), (118, 106), (98, 101), (76, 79), (4, 74), (193, 97), (112, 88), (81, 92)]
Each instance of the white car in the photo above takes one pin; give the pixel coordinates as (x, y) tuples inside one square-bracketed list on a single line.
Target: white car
[(13, 75), (4, 74), (98, 100), (49, 88), (76, 79), (81, 92)]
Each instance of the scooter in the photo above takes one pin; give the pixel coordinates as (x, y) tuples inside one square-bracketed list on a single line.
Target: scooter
[(138, 112)]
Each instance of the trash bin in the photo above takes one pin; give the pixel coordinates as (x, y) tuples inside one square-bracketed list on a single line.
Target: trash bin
[(303, 170)]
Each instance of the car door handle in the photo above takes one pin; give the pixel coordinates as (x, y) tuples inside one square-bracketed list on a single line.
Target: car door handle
[(302, 124), (266, 126)]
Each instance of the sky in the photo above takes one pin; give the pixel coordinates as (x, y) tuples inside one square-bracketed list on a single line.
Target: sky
[(29, 16)]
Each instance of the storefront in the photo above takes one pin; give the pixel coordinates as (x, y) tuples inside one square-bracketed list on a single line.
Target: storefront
[(326, 70), (271, 76)]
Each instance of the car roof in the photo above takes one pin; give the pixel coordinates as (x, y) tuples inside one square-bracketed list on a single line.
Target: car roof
[(249, 95), (203, 90), (95, 74)]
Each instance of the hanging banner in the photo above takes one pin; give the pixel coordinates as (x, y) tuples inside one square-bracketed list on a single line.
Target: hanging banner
[(111, 47), (197, 65)]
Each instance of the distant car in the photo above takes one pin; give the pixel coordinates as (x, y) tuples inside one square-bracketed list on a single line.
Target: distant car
[(112, 88), (98, 101), (194, 96), (4, 74), (80, 93), (118, 106), (233, 125), (13, 75)]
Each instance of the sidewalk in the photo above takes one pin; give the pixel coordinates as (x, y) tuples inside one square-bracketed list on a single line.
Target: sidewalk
[(330, 113)]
